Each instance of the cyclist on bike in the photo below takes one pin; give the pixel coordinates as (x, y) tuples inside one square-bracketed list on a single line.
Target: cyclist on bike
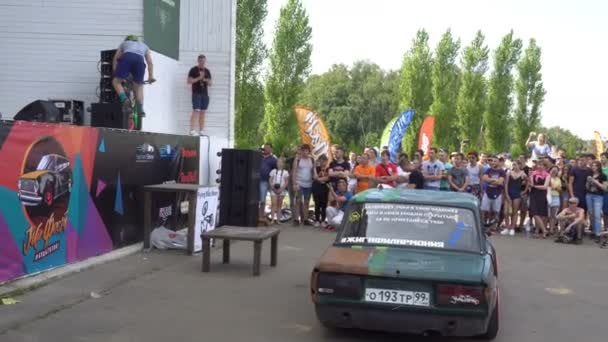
[(129, 59)]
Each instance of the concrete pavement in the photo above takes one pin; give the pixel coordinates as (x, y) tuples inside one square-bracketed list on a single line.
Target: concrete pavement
[(550, 292)]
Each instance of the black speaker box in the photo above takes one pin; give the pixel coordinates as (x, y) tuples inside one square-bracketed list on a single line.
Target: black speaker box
[(108, 115), (239, 187), (39, 110), (70, 111)]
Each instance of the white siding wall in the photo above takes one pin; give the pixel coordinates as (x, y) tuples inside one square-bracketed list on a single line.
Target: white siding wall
[(50, 49)]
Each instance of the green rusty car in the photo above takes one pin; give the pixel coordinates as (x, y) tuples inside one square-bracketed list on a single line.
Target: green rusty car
[(410, 261)]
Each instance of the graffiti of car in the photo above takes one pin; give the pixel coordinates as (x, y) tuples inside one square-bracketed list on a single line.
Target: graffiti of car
[(410, 261), (51, 179)]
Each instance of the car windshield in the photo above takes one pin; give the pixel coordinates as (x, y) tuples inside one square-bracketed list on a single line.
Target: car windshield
[(417, 225), (46, 163)]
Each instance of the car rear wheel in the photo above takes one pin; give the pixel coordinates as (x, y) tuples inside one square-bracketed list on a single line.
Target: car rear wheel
[(492, 331)]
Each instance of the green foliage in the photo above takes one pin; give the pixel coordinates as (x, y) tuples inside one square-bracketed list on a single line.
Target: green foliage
[(250, 54), (355, 103), (564, 139), (472, 95), (500, 101), (530, 94), (289, 67), (415, 87), (446, 82)]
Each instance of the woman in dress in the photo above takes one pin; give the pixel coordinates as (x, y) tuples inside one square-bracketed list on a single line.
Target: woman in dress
[(515, 179), (539, 182)]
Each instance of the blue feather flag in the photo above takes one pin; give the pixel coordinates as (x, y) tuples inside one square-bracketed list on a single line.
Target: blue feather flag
[(397, 133)]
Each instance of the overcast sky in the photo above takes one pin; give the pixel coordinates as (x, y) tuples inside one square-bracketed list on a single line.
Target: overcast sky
[(572, 34)]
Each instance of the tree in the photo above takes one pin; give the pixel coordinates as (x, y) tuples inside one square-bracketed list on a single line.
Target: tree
[(356, 102), (500, 101), (446, 82), (289, 66), (250, 54), (415, 87), (530, 94), (472, 95)]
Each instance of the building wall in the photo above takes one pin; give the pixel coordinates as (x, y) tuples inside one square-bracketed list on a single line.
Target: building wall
[(50, 49)]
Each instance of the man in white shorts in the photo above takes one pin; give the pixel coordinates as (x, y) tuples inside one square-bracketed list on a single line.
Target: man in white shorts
[(491, 202)]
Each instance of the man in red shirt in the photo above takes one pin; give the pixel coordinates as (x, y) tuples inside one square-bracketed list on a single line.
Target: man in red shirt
[(386, 172)]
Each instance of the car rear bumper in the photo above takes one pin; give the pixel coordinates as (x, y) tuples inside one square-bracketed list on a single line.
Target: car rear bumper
[(400, 321)]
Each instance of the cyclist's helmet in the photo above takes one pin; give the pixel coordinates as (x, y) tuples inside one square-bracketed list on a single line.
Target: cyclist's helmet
[(132, 38)]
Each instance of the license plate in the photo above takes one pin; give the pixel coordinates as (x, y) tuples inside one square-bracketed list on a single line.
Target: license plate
[(397, 297)]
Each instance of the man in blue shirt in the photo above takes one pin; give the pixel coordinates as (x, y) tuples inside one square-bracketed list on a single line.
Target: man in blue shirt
[(129, 60), (269, 162)]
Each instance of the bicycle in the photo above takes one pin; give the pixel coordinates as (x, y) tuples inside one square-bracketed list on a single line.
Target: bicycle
[(135, 120)]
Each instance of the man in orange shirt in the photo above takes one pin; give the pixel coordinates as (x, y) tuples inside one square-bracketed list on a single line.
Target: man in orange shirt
[(365, 173)]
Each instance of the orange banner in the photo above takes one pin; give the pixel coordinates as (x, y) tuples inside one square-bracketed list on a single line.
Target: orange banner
[(599, 144), (425, 140), (313, 132)]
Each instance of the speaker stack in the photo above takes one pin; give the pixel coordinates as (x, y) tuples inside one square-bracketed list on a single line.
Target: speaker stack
[(108, 112), (239, 187), (70, 111)]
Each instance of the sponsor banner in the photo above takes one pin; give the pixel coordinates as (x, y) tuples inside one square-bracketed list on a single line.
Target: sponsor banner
[(599, 144), (70, 192), (425, 139), (313, 132), (398, 131), (206, 213)]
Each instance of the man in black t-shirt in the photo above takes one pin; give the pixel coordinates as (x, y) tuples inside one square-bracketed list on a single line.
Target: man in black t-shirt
[(577, 181), (338, 168), (200, 79)]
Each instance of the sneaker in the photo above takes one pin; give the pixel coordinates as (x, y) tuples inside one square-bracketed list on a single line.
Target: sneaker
[(316, 224), (512, 232), (504, 232), (604, 244), (142, 114), (193, 133), (201, 133), (323, 225)]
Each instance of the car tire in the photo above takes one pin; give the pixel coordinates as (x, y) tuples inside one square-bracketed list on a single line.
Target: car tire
[(48, 196), (492, 331)]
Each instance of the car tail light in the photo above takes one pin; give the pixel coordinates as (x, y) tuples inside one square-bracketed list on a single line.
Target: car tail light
[(339, 285), (460, 296)]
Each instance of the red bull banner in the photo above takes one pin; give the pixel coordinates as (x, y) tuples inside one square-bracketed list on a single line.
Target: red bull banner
[(313, 131), (425, 140)]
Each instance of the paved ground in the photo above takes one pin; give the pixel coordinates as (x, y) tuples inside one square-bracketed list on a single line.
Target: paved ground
[(550, 292)]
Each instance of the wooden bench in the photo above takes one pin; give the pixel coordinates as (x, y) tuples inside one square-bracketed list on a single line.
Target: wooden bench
[(256, 235)]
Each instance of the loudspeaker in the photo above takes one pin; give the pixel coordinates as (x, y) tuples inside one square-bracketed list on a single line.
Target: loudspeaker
[(239, 187), (39, 110), (108, 115)]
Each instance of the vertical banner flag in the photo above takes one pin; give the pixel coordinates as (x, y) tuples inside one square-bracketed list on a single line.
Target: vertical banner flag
[(313, 132), (401, 125), (386, 134), (206, 213), (599, 144), (425, 140)]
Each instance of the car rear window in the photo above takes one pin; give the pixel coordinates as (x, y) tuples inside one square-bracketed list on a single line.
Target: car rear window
[(417, 225)]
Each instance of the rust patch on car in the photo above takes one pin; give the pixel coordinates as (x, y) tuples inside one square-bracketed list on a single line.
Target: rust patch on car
[(345, 260)]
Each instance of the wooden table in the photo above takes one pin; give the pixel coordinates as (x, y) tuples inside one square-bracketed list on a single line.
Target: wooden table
[(256, 235), (192, 189)]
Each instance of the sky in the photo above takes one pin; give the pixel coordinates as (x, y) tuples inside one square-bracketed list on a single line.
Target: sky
[(573, 36)]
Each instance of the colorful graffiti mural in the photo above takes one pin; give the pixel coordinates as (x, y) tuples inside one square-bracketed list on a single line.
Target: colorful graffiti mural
[(68, 193)]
